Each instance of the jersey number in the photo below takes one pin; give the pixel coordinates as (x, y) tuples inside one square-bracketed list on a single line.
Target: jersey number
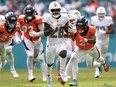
[(100, 27), (60, 33), (25, 28)]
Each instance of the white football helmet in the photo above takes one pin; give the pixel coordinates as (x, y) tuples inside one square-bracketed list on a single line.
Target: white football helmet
[(74, 15), (63, 10), (54, 9), (101, 12)]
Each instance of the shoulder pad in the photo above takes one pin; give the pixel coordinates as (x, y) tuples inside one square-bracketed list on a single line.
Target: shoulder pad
[(65, 16), (38, 19), (93, 17), (20, 18), (109, 19), (45, 17)]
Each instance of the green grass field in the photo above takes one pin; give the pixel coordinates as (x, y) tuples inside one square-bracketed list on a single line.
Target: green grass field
[(85, 79)]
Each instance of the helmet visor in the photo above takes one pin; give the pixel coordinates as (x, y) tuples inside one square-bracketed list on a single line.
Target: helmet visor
[(55, 11), (11, 22), (101, 15)]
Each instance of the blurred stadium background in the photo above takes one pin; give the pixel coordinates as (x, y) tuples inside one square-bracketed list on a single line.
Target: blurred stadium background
[(87, 9)]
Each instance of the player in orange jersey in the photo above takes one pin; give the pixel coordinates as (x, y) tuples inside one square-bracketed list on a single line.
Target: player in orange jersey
[(8, 29), (33, 46), (85, 44)]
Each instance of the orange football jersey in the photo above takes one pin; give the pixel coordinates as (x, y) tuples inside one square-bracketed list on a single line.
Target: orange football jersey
[(31, 25), (4, 35), (91, 31)]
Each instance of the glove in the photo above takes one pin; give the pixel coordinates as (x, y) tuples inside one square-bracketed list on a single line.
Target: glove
[(54, 26), (32, 33), (101, 32), (72, 29), (17, 40)]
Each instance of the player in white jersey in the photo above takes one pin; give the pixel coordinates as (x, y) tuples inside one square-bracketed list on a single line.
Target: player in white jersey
[(73, 16), (57, 22), (8, 50), (104, 26), (69, 45), (64, 12)]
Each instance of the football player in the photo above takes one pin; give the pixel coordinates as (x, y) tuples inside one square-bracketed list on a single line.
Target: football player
[(85, 44), (33, 46), (73, 16), (8, 29), (57, 23), (104, 26), (69, 46), (64, 12)]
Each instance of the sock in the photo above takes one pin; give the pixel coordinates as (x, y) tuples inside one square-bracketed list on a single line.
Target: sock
[(69, 66), (43, 68), (49, 70), (62, 63), (58, 65), (30, 65), (75, 71), (96, 64), (11, 61)]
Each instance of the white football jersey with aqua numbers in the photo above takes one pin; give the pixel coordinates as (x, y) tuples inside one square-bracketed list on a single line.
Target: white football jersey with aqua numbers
[(58, 35), (101, 25)]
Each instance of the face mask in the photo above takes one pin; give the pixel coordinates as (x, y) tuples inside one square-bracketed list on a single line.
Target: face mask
[(12, 25), (29, 17), (56, 14), (101, 18)]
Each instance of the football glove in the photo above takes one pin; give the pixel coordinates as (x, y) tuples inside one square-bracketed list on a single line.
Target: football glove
[(72, 29), (32, 33)]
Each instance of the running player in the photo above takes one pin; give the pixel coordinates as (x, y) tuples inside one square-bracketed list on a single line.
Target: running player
[(8, 28), (104, 26), (33, 46)]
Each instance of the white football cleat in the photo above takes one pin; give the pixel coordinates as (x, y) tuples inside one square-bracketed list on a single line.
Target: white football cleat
[(15, 74), (63, 76), (31, 78), (97, 73), (44, 78)]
